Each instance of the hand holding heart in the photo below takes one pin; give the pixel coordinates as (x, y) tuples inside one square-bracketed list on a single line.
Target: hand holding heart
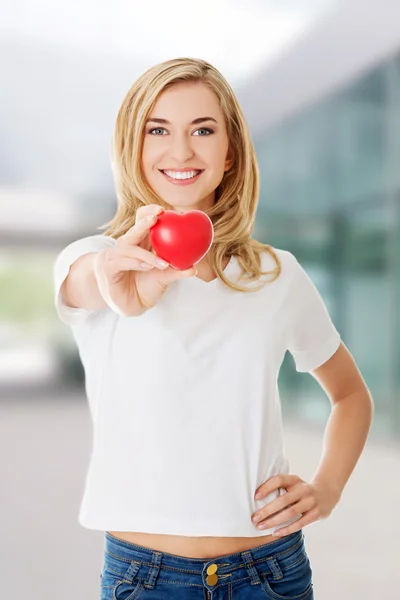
[(314, 501), (130, 277)]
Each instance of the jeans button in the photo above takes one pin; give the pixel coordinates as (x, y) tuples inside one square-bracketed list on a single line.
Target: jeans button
[(211, 569), (212, 579)]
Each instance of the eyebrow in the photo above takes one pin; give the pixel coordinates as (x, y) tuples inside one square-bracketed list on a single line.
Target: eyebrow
[(194, 122)]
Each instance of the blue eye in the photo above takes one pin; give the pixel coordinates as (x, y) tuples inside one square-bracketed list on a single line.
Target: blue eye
[(209, 131), (156, 129), (205, 129)]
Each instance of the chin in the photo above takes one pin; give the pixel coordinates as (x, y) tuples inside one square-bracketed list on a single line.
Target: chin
[(183, 208), (187, 204)]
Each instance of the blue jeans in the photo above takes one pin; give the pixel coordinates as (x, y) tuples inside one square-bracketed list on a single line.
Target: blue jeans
[(279, 570)]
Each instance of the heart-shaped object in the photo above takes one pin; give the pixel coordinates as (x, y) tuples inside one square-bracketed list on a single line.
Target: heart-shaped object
[(182, 239)]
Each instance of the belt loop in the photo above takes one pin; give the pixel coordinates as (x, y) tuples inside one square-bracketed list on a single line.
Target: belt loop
[(132, 571), (154, 570), (275, 568), (249, 564)]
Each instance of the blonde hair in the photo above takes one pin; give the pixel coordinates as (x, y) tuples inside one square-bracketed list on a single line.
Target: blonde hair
[(236, 197)]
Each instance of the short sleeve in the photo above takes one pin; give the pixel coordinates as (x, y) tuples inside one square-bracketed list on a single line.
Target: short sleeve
[(95, 243), (312, 338)]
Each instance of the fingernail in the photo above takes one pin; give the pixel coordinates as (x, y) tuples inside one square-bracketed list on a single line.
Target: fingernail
[(161, 263), (258, 495)]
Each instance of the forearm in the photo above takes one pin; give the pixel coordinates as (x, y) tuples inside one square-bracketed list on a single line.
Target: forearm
[(345, 436), (80, 288)]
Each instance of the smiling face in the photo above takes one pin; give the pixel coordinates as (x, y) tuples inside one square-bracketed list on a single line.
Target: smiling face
[(185, 148)]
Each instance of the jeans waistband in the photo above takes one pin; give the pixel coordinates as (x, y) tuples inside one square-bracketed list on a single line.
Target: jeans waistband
[(229, 566)]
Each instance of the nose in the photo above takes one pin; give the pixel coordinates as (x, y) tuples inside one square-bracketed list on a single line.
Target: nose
[(181, 149)]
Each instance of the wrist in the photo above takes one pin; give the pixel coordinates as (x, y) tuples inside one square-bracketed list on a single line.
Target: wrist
[(327, 484)]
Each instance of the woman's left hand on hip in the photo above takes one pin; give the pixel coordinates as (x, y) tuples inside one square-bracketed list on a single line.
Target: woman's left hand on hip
[(314, 501)]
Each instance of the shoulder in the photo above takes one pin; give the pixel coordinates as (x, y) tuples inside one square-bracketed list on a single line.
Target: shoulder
[(299, 285), (278, 267), (75, 249), (285, 259), (91, 242)]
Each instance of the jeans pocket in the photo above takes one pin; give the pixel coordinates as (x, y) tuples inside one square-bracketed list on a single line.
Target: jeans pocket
[(114, 586), (291, 581)]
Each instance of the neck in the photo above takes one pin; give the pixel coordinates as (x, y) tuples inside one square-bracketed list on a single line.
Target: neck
[(205, 272)]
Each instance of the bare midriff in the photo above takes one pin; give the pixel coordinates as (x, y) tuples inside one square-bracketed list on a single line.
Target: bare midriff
[(193, 547)]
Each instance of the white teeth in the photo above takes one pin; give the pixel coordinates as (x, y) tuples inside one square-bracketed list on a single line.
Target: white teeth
[(180, 175)]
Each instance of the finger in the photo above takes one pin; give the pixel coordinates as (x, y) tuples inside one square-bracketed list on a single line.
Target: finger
[(170, 275), (126, 264), (275, 482), (305, 520), (270, 509), (138, 232), (277, 505), (146, 211), (142, 254), (291, 512)]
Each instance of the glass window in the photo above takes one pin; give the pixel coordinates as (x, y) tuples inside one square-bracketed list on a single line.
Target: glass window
[(330, 193)]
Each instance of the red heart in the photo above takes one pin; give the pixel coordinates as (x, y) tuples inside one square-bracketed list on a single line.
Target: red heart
[(182, 239)]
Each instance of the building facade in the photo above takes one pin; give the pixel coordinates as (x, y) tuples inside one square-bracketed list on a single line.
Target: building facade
[(330, 193)]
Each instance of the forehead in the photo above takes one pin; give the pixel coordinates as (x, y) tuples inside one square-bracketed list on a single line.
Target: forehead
[(187, 100)]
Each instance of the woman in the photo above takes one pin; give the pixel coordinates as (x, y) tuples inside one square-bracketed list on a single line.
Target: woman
[(182, 366)]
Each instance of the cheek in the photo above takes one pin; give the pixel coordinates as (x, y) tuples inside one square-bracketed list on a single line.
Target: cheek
[(148, 160), (152, 156), (148, 149), (219, 156), (219, 164)]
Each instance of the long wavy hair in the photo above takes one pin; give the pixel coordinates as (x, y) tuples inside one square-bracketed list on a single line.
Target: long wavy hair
[(236, 197)]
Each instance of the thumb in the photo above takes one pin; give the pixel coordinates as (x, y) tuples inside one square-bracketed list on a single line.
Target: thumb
[(170, 274)]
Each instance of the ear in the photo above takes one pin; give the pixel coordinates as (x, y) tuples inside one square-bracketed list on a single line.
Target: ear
[(229, 160)]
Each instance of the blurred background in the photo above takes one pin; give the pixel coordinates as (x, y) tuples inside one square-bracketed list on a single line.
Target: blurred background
[(319, 83)]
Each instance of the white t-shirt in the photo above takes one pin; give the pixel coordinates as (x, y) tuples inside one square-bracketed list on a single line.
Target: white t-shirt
[(184, 398)]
